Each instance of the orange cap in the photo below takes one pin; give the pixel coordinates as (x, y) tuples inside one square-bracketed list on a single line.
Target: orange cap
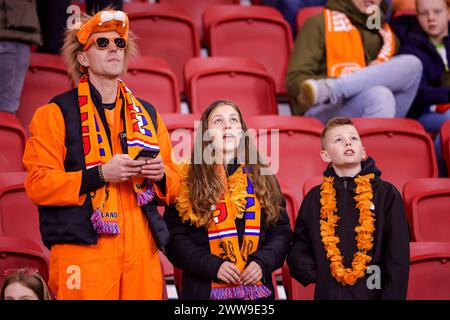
[(104, 21)]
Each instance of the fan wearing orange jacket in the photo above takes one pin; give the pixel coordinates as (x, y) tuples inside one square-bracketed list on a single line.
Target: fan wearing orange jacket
[(97, 203)]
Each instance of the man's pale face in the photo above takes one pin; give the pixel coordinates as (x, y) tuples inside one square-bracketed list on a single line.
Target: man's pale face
[(343, 147), (363, 5), (104, 62)]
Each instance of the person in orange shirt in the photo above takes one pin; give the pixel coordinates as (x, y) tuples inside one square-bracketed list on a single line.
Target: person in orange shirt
[(97, 203)]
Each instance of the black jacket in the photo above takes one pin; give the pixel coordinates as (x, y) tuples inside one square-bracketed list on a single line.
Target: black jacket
[(307, 260), (71, 224), (189, 250)]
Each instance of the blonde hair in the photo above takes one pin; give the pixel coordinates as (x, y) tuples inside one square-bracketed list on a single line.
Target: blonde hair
[(72, 47)]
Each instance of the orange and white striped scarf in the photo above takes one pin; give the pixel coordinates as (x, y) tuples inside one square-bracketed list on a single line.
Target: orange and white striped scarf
[(140, 134), (344, 47), (223, 238)]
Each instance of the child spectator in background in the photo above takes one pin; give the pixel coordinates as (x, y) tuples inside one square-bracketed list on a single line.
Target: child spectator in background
[(428, 39)]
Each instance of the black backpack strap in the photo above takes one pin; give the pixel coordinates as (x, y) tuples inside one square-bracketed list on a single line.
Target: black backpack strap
[(67, 99), (152, 112)]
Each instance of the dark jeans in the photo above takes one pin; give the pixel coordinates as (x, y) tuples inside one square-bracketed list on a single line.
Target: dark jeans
[(15, 58)]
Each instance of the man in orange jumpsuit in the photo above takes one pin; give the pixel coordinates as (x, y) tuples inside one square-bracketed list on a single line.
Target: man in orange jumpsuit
[(97, 204)]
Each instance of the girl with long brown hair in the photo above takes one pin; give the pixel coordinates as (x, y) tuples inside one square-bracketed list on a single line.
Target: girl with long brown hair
[(24, 284), (229, 226)]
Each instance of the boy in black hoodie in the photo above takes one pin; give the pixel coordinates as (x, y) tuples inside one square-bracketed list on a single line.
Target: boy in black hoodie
[(351, 236)]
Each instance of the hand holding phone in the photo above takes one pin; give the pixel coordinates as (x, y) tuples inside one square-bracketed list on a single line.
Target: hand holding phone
[(153, 170), (146, 154)]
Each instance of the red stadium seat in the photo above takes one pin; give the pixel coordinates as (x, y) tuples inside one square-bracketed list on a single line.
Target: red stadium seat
[(20, 253), (151, 79), (445, 143), (295, 155), (255, 32), (417, 187), (241, 80), (305, 14), (12, 143), (195, 9), (429, 272), (448, 156), (431, 215), (166, 31), (294, 290), (311, 183), (401, 5), (12, 178), (19, 217), (167, 265), (292, 209), (181, 128), (402, 150), (45, 79), (369, 123), (406, 12), (164, 287), (291, 204)]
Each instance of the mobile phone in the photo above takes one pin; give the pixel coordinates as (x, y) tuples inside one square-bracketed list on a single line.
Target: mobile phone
[(145, 154)]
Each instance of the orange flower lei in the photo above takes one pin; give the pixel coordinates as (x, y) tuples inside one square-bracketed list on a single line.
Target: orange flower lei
[(364, 237)]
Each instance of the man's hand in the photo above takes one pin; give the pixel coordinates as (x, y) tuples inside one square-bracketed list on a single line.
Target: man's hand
[(153, 169), (121, 168)]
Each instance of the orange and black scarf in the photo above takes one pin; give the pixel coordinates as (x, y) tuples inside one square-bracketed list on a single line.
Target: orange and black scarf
[(140, 134)]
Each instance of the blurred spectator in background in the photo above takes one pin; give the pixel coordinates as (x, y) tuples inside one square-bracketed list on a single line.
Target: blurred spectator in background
[(271, 3), (19, 28), (344, 64), (53, 18), (290, 9), (94, 6)]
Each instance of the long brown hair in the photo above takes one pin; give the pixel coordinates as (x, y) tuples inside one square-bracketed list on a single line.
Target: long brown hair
[(206, 183), (33, 282)]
